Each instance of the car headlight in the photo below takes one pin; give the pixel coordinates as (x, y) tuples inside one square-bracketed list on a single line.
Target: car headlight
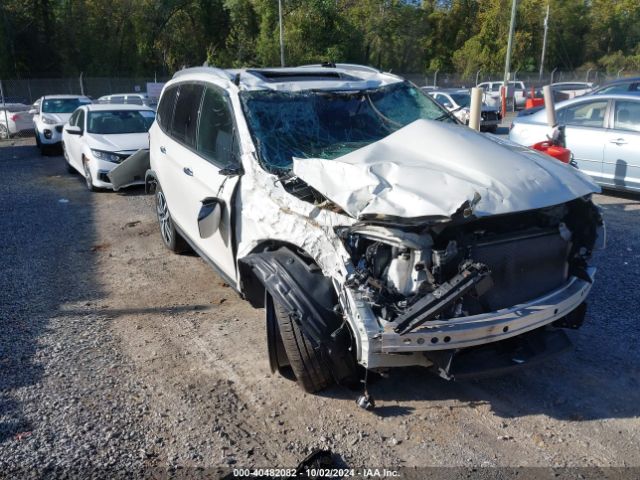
[(106, 156), (48, 121)]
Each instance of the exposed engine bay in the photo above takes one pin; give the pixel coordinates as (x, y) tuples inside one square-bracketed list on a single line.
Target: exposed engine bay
[(411, 275)]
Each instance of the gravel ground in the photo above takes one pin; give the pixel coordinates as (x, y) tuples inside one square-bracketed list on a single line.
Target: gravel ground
[(119, 358)]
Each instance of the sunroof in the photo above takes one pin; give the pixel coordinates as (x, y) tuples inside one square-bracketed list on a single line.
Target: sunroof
[(301, 76)]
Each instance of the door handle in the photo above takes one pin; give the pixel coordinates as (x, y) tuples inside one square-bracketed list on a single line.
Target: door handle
[(618, 141), (188, 171), (163, 150)]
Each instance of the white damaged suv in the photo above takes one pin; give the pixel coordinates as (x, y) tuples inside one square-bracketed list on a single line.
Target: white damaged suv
[(374, 229)]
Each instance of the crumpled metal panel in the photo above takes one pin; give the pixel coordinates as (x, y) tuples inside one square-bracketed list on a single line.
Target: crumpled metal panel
[(430, 169)]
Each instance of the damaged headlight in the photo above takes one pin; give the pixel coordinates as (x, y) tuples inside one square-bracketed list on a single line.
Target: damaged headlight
[(106, 156)]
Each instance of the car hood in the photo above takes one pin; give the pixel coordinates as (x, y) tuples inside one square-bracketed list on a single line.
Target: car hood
[(432, 169), (118, 142), (58, 117)]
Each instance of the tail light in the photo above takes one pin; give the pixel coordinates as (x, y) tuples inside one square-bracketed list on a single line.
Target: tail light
[(14, 117)]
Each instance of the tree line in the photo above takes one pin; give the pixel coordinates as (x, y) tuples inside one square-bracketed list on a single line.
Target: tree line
[(146, 37)]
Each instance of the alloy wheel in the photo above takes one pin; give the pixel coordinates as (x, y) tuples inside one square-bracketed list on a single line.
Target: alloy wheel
[(164, 218)]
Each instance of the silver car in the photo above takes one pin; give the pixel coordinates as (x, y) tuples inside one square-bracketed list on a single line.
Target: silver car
[(602, 132)]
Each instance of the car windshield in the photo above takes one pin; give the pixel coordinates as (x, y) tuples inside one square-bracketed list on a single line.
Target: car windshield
[(462, 99), (120, 121), (62, 105), (328, 124)]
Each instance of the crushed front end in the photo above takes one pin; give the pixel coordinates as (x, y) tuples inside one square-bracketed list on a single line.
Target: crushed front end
[(470, 296)]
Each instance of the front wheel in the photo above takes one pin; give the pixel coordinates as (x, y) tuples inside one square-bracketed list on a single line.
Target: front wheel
[(88, 178), (170, 236), (305, 361)]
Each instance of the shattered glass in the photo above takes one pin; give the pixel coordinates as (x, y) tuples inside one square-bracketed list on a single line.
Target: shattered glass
[(329, 124)]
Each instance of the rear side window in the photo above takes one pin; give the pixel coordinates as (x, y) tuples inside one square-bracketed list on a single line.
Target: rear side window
[(185, 116), (165, 108), (134, 100), (117, 99), (80, 121), (627, 116), (585, 114), (215, 132)]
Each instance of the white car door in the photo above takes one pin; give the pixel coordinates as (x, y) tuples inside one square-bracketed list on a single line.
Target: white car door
[(216, 173), (585, 134), (72, 143), (621, 166)]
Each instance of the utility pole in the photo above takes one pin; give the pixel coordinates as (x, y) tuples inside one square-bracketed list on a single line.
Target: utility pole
[(544, 42), (512, 27), (281, 33)]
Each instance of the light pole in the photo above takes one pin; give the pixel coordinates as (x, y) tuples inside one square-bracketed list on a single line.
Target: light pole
[(281, 33), (544, 42), (512, 27)]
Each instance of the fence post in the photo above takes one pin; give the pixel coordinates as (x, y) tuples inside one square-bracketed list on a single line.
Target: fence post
[(619, 72), (553, 72), (477, 77), (588, 72), (435, 78), (81, 84)]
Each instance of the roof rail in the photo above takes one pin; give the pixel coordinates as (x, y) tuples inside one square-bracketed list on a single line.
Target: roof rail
[(343, 66)]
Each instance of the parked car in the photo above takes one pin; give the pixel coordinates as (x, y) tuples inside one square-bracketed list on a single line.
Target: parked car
[(458, 102), (15, 119), (568, 90), (130, 99), (492, 93), (372, 227), (52, 112), (625, 86), (99, 137), (602, 132)]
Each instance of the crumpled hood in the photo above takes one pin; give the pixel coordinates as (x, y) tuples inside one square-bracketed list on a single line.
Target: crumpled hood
[(119, 142), (430, 169)]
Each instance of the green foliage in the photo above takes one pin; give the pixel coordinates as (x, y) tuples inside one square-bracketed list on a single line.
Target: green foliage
[(143, 37)]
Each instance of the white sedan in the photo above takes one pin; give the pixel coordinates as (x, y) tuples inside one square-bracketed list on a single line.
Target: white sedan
[(99, 137)]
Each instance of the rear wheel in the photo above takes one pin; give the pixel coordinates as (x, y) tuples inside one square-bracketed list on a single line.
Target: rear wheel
[(306, 363), (4, 132), (170, 236), (70, 169)]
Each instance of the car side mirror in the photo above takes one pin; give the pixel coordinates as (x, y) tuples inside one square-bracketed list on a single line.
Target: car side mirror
[(73, 130), (210, 216), (233, 171)]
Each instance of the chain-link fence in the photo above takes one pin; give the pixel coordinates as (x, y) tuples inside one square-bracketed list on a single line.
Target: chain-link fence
[(18, 95)]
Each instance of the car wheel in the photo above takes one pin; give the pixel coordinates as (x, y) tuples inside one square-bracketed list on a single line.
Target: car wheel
[(70, 169), (170, 236), (306, 363), (88, 178), (492, 129), (4, 132)]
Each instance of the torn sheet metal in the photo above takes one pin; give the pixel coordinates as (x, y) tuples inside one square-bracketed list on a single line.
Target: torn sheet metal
[(131, 171), (430, 169)]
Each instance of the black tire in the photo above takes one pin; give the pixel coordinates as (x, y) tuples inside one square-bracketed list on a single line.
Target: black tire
[(492, 129), (306, 363), (4, 133), (70, 169), (170, 236), (88, 179)]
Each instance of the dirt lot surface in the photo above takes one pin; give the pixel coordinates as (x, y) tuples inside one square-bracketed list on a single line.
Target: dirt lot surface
[(115, 353)]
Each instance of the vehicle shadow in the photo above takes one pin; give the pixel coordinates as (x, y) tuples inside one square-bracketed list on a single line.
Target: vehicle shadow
[(599, 378), (47, 234)]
